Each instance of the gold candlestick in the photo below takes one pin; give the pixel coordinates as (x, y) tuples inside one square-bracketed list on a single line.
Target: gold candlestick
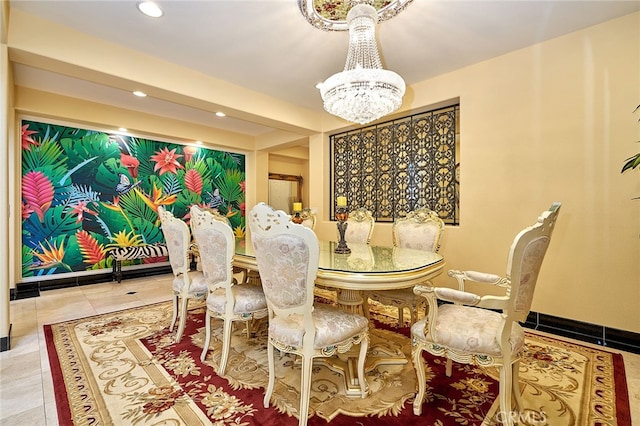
[(297, 208), (342, 215)]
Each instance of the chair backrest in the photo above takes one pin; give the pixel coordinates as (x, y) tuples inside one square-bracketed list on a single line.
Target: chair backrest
[(216, 246), (178, 238), (525, 259), (287, 257), (308, 218), (420, 229), (360, 226)]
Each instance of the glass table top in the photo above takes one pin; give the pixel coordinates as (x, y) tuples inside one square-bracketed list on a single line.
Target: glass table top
[(363, 258)]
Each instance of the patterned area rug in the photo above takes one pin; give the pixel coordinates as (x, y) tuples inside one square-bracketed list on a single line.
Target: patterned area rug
[(123, 368)]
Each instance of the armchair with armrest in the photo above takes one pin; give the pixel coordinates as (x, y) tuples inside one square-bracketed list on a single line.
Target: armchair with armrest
[(470, 329)]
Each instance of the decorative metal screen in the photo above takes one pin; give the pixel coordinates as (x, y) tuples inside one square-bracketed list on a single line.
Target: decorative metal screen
[(395, 167)]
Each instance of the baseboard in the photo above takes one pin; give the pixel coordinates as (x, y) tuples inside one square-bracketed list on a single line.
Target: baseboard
[(5, 341), (29, 289), (586, 332)]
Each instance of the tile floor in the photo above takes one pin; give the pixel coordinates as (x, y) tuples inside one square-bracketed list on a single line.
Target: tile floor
[(26, 388)]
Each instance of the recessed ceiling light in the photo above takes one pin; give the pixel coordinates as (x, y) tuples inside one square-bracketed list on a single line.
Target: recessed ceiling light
[(221, 114), (198, 142), (122, 129), (139, 94), (149, 8)]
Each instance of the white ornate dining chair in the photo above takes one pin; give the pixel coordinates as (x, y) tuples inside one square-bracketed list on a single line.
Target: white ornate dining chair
[(287, 257), (420, 229), (308, 218), (187, 285), (360, 226), (484, 330), (226, 300)]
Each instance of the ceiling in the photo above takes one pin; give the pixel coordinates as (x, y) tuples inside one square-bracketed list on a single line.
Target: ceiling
[(267, 46)]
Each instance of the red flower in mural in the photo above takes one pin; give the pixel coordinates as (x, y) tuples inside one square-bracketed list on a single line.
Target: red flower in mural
[(27, 140), (243, 207), (166, 161), (193, 181), (243, 186), (37, 192), (189, 152), (91, 250), (26, 211), (131, 163), (80, 209)]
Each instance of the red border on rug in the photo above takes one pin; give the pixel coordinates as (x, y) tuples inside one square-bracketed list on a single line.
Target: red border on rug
[(623, 406), (59, 388)]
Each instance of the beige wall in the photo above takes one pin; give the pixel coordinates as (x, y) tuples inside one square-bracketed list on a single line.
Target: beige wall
[(552, 122)]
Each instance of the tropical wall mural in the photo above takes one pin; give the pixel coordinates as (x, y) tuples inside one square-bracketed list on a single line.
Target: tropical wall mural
[(85, 192)]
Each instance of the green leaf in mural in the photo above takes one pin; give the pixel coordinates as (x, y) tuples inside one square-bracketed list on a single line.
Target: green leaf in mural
[(107, 176), (229, 186), (184, 202), (27, 261), (215, 168), (47, 155), (227, 160), (143, 149), (171, 184), (56, 223), (112, 219), (150, 232), (94, 144), (135, 207)]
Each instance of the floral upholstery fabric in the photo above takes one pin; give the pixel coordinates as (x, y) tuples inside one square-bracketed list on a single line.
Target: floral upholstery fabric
[(469, 329), (417, 236), (283, 269), (216, 268), (333, 325), (177, 250), (248, 298), (198, 283), (357, 232), (531, 263)]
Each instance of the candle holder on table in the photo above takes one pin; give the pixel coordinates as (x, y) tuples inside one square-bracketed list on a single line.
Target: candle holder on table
[(296, 218), (342, 215)]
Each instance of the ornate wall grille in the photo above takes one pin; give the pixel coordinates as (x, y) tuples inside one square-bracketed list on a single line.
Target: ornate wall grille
[(398, 166)]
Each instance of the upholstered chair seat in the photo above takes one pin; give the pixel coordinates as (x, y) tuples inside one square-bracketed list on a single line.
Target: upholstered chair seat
[(198, 285), (248, 298), (332, 326), (471, 330), (484, 329)]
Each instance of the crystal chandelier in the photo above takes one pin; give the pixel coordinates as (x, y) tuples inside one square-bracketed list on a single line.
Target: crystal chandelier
[(363, 91)]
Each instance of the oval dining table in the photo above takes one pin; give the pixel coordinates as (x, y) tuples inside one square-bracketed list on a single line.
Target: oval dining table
[(366, 268)]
